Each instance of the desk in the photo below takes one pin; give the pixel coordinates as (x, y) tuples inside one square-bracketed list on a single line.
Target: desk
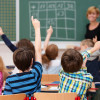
[(47, 89)]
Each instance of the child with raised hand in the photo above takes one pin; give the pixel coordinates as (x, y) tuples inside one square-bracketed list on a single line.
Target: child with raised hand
[(73, 76), (3, 74), (50, 64), (27, 81), (20, 44), (93, 63)]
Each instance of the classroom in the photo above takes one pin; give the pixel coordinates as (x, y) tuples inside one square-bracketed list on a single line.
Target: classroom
[(49, 50)]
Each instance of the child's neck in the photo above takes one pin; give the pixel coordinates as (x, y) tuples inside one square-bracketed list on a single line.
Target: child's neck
[(20, 71)]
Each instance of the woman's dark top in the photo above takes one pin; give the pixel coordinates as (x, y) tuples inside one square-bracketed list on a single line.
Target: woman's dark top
[(90, 34)]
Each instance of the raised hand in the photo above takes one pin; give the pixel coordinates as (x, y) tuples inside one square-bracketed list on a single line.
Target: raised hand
[(50, 30), (95, 39), (1, 31), (36, 23)]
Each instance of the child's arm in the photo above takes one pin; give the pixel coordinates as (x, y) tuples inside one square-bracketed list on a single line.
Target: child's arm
[(7, 41), (36, 25), (49, 33), (96, 47), (88, 52)]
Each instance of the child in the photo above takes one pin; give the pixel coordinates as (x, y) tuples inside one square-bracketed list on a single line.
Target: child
[(22, 43), (26, 81), (3, 74), (93, 65), (74, 77), (93, 28), (51, 65)]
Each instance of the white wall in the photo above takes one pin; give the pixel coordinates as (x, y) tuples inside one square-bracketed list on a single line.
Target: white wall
[(6, 54)]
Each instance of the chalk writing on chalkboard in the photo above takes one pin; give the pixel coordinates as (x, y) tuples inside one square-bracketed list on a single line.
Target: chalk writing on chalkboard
[(61, 15)]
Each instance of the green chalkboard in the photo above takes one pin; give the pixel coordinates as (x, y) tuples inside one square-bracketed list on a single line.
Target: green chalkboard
[(8, 18), (68, 18)]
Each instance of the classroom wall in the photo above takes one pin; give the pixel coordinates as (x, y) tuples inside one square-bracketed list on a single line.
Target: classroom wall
[(6, 54)]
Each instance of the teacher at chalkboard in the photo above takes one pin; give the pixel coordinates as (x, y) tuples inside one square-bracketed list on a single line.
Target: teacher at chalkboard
[(93, 28)]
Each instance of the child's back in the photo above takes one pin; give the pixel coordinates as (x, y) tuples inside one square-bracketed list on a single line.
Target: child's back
[(51, 65), (54, 68), (27, 81), (73, 78)]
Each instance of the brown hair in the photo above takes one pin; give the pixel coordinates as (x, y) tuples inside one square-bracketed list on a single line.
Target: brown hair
[(88, 42), (92, 9), (2, 66), (22, 58), (25, 43), (50, 54), (71, 60)]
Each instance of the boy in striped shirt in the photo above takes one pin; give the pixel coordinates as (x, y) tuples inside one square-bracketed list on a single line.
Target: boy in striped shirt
[(27, 81)]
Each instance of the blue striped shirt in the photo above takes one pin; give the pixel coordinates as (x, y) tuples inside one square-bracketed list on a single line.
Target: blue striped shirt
[(26, 82)]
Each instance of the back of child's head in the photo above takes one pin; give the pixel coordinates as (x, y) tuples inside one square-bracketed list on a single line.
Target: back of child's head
[(2, 66), (71, 61), (25, 43), (22, 58), (92, 9), (87, 42), (50, 54)]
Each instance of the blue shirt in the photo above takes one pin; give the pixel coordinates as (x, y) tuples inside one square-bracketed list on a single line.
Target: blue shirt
[(26, 82)]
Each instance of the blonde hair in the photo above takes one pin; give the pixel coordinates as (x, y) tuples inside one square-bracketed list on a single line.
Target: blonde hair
[(88, 42), (92, 9), (2, 66)]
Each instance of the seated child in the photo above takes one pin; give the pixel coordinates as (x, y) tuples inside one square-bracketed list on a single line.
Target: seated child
[(93, 65), (22, 43), (27, 81), (3, 74), (74, 77), (51, 65)]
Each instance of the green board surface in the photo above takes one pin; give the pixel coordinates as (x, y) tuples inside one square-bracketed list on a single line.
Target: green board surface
[(8, 18), (67, 17)]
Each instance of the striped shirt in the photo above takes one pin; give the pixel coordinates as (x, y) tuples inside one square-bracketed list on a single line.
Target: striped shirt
[(26, 82), (77, 82)]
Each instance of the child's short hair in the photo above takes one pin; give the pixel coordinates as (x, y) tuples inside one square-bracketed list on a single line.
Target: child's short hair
[(50, 54), (71, 61), (87, 42), (92, 9), (22, 58), (25, 43)]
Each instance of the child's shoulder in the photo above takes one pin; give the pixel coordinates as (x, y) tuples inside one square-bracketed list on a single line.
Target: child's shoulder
[(55, 62), (88, 76)]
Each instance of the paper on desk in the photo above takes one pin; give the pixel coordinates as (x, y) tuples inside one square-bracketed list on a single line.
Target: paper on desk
[(43, 86), (53, 88)]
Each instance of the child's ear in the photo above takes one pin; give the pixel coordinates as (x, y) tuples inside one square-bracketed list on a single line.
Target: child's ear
[(31, 62)]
